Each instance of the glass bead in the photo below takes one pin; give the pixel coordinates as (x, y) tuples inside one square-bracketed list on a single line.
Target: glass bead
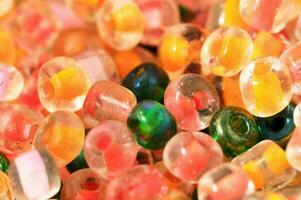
[(226, 51), (232, 16), (62, 85), (62, 134), (5, 187), (11, 83), (265, 86), (107, 101), (226, 181), (297, 115), (110, 149), (231, 95), (235, 130), (120, 24), (147, 81), (293, 149), (188, 155), (34, 175), (152, 124), (193, 100), (267, 166)]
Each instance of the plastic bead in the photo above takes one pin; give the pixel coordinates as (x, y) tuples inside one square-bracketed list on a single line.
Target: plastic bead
[(180, 47), (5, 187), (107, 101), (142, 182), (188, 155), (297, 115), (226, 181), (292, 149), (234, 129), (110, 149), (78, 163), (193, 100), (18, 126), (266, 86), (120, 24), (147, 81), (83, 184), (33, 175), (278, 127), (267, 165), (62, 134), (12, 83), (226, 51), (151, 124), (62, 85)]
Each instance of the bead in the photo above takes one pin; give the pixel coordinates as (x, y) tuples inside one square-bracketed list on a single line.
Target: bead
[(151, 124), (226, 51), (33, 175), (267, 165), (231, 92), (297, 115), (5, 187), (188, 155), (8, 51), (4, 163), (292, 149), (193, 100), (266, 195), (147, 81), (142, 182), (277, 127), (62, 134), (226, 181), (265, 86), (107, 101), (232, 15), (62, 85), (180, 47), (235, 130), (78, 163), (11, 83), (110, 149), (120, 24), (18, 126), (83, 184)]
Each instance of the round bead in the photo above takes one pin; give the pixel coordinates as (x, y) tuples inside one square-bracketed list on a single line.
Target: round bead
[(110, 149), (226, 51), (107, 101), (292, 149), (62, 85), (297, 115), (151, 124), (188, 155), (147, 81), (78, 163), (120, 24), (193, 100), (62, 134), (12, 83), (235, 130), (265, 86)]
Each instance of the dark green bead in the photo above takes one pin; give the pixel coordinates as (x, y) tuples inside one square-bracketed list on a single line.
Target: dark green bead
[(4, 163), (151, 124), (278, 127), (147, 81), (78, 163), (235, 130)]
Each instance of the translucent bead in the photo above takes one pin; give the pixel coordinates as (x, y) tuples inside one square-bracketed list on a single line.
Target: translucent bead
[(193, 100), (5, 7), (226, 51), (62, 85), (120, 24), (293, 149), (107, 101), (62, 134), (297, 115), (188, 155), (33, 175), (5, 187), (227, 182), (110, 149), (11, 83), (266, 86), (83, 184), (267, 165)]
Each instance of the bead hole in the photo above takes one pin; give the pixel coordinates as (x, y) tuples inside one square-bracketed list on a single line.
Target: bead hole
[(90, 184), (275, 124), (239, 125)]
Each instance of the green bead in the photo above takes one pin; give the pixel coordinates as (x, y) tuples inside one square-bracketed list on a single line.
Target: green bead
[(4, 163), (151, 124), (78, 163), (278, 127), (235, 130), (147, 81)]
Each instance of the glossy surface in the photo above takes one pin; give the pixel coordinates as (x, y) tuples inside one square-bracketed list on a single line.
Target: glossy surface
[(4, 163), (297, 115), (293, 149)]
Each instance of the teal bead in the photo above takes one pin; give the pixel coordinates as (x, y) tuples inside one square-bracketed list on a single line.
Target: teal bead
[(235, 130), (4, 163), (147, 81), (278, 127), (152, 124), (78, 163)]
